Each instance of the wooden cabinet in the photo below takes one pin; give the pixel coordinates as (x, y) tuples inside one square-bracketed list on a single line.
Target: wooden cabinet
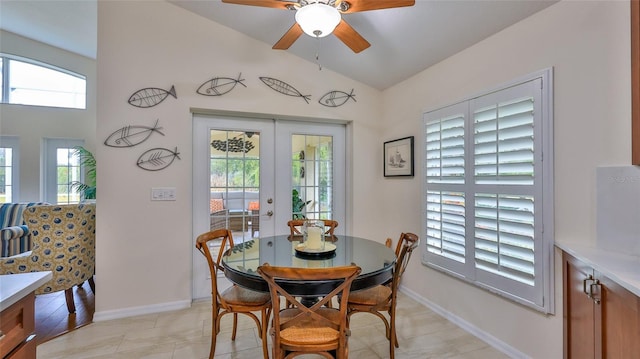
[(601, 318), (635, 82), (17, 324)]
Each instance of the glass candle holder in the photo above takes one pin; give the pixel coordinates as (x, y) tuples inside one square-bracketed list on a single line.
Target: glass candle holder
[(313, 235)]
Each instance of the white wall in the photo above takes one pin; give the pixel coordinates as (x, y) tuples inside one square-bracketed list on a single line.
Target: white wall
[(144, 248), (33, 123), (587, 44)]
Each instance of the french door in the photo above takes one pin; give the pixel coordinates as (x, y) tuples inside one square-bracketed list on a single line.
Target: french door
[(253, 175)]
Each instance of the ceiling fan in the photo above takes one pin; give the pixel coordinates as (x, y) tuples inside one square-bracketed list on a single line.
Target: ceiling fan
[(319, 18)]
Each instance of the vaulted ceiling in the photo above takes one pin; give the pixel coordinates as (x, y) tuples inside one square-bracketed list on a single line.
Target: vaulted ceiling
[(404, 41)]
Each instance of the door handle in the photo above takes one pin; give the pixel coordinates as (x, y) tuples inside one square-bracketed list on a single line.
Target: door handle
[(585, 286), (595, 297), (588, 286), (269, 213)]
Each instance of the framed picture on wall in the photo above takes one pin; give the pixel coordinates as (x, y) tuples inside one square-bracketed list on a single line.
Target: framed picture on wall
[(398, 157)]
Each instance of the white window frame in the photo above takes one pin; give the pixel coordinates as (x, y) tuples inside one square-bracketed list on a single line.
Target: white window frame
[(5, 81), (13, 142), (540, 293), (49, 165)]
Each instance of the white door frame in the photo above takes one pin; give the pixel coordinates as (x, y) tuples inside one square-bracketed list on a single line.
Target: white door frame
[(206, 120)]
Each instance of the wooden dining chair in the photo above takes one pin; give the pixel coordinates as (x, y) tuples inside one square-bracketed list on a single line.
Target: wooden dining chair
[(234, 300), (389, 243), (383, 298), (316, 328), (295, 226)]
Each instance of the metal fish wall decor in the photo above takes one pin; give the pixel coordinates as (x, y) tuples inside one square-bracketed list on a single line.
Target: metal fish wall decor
[(219, 86), (284, 88), (157, 159), (150, 96), (336, 98), (129, 136)]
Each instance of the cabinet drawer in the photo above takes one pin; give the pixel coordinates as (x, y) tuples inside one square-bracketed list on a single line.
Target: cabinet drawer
[(17, 323), (25, 351)]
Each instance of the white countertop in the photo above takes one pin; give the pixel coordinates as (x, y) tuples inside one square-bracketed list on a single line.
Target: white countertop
[(622, 268), (14, 287)]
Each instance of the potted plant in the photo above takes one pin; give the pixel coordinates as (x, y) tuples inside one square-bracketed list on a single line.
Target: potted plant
[(298, 205), (87, 189)]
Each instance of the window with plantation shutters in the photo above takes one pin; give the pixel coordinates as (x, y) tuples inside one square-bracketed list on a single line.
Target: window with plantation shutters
[(488, 191)]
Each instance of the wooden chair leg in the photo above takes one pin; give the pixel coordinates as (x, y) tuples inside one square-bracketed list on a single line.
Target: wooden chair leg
[(214, 334), (235, 326), (68, 294), (92, 284), (264, 325)]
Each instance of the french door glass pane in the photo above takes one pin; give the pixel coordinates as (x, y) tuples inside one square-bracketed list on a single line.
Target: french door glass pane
[(312, 176), (235, 183), (67, 172)]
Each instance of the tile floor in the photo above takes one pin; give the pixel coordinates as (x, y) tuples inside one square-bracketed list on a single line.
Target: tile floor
[(186, 334)]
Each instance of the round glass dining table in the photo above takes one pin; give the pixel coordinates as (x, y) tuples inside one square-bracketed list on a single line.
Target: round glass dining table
[(241, 262)]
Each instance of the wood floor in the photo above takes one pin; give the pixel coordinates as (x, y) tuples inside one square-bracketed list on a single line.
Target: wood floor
[(53, 318)]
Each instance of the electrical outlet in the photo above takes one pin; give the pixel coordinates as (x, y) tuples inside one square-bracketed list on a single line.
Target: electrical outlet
[(163, 194)]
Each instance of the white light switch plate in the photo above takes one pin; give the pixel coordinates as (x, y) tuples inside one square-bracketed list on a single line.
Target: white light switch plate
[(163, 194)]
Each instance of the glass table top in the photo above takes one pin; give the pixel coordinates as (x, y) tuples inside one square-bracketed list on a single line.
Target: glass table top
[(375, 259)]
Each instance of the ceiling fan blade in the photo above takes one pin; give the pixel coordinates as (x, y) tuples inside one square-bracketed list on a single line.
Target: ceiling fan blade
[(278, 4), (365, 5), (288, 38), (350, 37)]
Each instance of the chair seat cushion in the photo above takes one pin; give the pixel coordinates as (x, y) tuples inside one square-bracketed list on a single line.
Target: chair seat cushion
[(373, 296), (308, 330), (242, 296)]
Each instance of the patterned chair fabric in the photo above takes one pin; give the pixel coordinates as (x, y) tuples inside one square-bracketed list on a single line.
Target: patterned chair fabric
[(15, 237), (63, 239)]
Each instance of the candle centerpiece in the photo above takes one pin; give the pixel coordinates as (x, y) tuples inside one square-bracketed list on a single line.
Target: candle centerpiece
[(314, 235)]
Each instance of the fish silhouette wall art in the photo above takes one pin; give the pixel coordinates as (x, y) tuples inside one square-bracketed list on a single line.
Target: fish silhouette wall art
[(129, 136), (336, 98), (219, 86), (284, 88), (157, 159), (150, 96)]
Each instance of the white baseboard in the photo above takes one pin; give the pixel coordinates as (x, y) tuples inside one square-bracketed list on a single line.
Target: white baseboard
[(134, 311), (472, 329)]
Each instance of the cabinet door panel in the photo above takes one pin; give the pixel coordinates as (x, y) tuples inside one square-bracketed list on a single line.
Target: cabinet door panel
[(579, 311), (620, 321)]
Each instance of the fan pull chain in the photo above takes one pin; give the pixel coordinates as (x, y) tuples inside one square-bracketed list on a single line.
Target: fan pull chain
[(317, 33)]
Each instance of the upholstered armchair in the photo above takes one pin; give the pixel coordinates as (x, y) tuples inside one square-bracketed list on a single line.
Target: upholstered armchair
[(63, 238), (15, 237)]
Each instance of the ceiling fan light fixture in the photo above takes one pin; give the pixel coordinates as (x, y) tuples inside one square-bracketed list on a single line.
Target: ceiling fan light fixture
[(318, 19)]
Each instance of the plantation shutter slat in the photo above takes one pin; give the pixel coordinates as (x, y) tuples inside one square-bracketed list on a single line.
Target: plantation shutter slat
[(446, 224), (503, 142), (504, 236), (445, 150)]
